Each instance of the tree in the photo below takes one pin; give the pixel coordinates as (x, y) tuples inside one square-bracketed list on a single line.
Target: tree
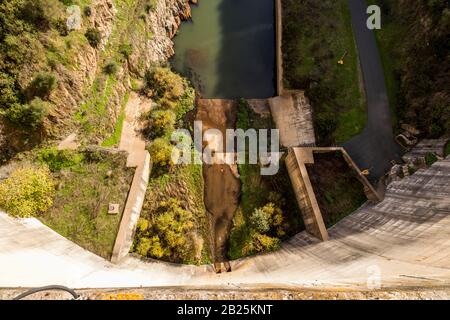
[(170, 90), (27, 192), (42, 86), (28, 115)]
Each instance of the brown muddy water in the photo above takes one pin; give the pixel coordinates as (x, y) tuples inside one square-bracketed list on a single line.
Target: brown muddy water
[(222, 184)]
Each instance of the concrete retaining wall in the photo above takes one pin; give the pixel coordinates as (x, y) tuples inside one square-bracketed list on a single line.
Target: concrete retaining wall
[(279, 45), (306, 199), (304, 192), (132, 210)]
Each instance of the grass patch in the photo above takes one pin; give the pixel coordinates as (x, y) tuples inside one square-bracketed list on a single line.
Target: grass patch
[(337, 189), (80, 209), (114, 139), (447, 150), (93, 113), (316, 35), (430, 159)]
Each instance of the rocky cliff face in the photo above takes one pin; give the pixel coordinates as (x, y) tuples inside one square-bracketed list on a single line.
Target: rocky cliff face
[(150, 36), (162, 24), (149, 33)]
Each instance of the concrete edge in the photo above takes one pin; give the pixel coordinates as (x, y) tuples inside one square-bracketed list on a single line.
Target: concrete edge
[(132, 210), (279, 45)]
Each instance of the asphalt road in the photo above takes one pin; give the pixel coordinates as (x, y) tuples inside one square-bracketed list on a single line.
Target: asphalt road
[(375, 147)]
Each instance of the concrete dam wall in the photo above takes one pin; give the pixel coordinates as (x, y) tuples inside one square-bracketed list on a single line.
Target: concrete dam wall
[(402, 241)]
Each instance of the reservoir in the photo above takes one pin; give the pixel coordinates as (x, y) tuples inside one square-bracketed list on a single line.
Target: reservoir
[(228, 49)]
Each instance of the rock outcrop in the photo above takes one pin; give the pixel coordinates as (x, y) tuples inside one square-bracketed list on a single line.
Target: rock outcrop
[(149, 33)]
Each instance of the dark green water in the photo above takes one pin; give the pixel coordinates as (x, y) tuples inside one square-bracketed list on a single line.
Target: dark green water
[(228, 49)]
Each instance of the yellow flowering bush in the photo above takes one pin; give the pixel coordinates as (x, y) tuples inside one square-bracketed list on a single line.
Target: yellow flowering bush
[(27, 192)]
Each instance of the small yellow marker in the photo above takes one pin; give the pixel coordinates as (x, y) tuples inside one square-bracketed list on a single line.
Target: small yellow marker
[(341, 62), (122, 296)]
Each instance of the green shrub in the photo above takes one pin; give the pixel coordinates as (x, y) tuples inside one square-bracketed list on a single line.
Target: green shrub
[(8, 93), (259, 221), (430, 158), (266, 219), (126, 50), (174, 226), (150, 247), (162, 122), (264, 243), (87, 11), (110, 68), (447, 150), (143, 246), (61, 26), (93, 36), (59, 159), (161, 153), (40, 13), (142, 225), (170, 90), (27, 192), (42, 86), (28, 115)]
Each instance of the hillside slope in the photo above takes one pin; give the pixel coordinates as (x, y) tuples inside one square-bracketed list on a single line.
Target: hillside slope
[(55, 80)]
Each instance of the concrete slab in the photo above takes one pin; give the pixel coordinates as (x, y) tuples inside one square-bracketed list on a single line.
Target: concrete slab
[(402, 241)]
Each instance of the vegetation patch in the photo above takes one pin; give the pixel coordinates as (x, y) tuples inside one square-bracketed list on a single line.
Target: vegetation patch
[(316, 35), (114, 139), (27, 192), (417, 83), (447, 150), (337, 189), (173, 220), (430, 159), (268, 211), (174, 217), (87, 182)]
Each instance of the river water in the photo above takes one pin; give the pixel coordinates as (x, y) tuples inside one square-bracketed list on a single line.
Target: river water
[(228, 49)]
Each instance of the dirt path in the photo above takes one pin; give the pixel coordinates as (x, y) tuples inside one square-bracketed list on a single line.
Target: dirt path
[(222, 187)]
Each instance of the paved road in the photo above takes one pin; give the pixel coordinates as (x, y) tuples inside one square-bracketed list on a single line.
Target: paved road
[(375, 147), (402, 241)]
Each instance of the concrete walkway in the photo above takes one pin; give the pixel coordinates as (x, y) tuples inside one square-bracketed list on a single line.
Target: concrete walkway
[(132, 141), (402, 241)]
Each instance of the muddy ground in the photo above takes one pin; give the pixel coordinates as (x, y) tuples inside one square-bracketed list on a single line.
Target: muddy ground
[(222, 185)]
